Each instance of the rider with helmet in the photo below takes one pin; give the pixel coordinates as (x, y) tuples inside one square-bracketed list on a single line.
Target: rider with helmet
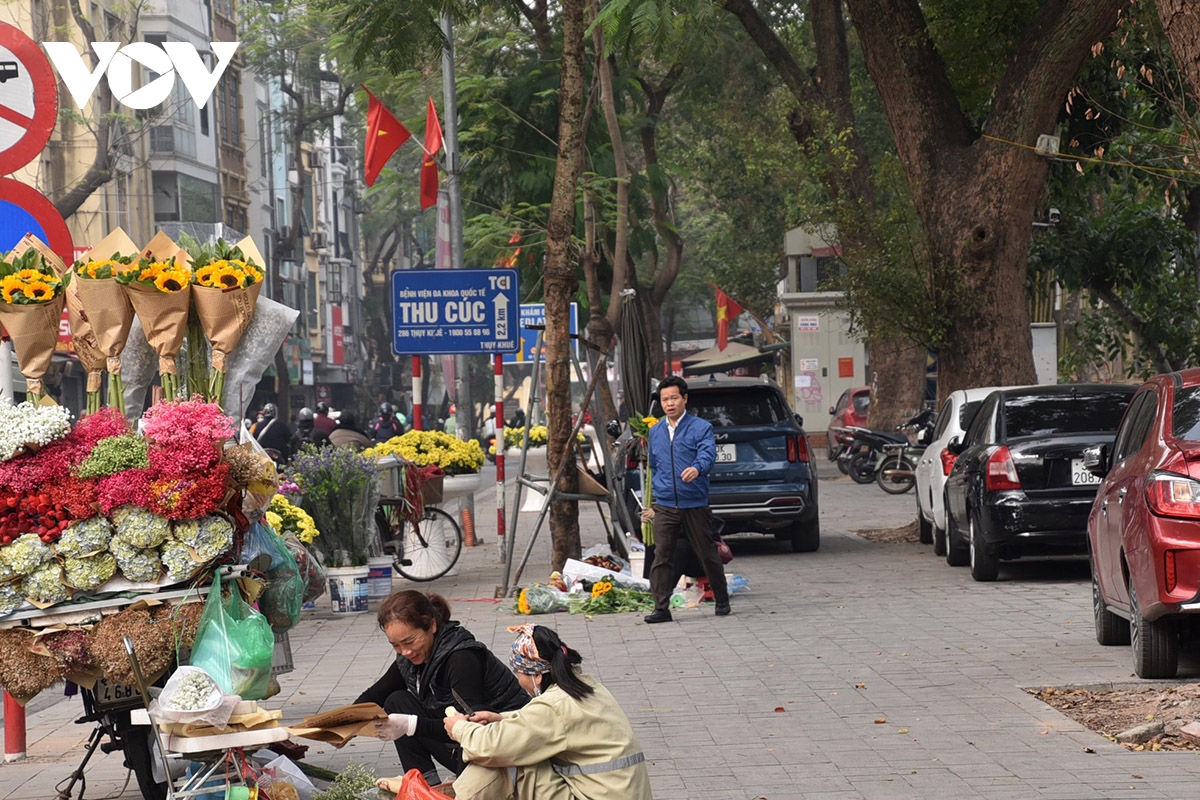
[(322, 421), (386, 425), (274, 434)]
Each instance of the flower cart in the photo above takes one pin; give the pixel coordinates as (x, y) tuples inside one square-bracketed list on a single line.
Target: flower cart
[(111, 534)]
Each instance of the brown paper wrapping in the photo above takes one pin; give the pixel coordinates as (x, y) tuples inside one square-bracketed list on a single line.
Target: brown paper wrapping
[(34, 332), (163, 315), (340, 725), (225, 315), (109, 314)]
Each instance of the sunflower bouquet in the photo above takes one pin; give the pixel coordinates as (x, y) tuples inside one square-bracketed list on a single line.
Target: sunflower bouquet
[(159, 288), (103, 310), (225, 291), (31, 303), (640, 428)]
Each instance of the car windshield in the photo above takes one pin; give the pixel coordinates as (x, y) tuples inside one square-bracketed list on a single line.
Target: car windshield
[(726, 408), (1185, 416), (862, 402), (1037, 415)]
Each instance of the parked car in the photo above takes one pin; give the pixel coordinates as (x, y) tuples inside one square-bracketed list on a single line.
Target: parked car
[(1018, 485), (953, 419), (763, 480), (850, 409), (1144, 527)]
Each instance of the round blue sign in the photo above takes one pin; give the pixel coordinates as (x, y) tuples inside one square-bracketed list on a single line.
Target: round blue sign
[(15, 222)]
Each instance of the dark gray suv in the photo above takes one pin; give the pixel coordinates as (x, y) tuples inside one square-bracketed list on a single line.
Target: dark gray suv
[(763, 480)]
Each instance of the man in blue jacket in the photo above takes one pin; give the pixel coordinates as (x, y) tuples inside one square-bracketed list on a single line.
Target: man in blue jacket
[(682, 452)]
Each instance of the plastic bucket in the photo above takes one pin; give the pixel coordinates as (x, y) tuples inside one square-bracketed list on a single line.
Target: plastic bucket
[(637, 563), (348, 589), (379, 579)]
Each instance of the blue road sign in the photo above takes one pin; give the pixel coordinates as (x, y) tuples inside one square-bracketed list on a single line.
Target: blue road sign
[(454, 311), (535, 314)]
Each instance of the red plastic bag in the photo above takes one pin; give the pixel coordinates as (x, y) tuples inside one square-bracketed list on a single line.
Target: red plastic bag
[(414, 787)]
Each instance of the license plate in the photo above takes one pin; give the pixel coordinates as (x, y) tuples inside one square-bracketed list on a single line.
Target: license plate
[(1080, 475), (111, 694), (726, 453)]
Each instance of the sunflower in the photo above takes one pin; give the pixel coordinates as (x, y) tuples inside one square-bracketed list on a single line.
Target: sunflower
[(229, 278), (9, 285), (172, 280), (38, 291), (151, 271), (254, 273), (31, 275), (204, 275)]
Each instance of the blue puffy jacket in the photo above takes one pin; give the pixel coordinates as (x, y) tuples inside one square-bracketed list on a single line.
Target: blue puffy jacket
[(693, 446)]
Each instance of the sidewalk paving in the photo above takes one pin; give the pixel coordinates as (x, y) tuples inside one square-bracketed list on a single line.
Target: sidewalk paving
[(837, 639)]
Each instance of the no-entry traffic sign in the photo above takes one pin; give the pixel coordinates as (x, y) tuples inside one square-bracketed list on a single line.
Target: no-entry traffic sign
[(28, 99), (23, 210)]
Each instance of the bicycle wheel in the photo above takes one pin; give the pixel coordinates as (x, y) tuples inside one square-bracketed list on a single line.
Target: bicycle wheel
[(429, 550)]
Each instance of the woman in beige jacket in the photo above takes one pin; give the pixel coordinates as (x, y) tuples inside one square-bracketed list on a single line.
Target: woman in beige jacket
[(572, 741)]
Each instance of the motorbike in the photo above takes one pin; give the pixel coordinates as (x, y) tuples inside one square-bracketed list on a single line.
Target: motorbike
[(869, 454), (897, 472)]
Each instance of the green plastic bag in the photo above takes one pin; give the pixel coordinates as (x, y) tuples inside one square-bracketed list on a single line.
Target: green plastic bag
[(267, 553), (234, 644)]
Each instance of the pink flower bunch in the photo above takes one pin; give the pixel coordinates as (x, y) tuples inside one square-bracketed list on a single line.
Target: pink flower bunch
[(99, 425), (131, 487), (53, 463), (185, 436)]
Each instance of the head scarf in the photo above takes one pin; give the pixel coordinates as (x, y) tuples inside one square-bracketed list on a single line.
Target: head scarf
[(525, 658)]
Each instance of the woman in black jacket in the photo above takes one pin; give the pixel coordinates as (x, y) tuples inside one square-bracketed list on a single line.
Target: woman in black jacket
[(434, 655)]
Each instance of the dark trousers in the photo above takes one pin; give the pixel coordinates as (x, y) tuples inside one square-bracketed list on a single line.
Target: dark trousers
[(419, 752), (695, 524)]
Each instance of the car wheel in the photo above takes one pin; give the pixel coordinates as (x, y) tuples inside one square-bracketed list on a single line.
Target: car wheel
[(958, 553), (862, 467), (806, 536), (924, 528), (1110, 629), (1155, 644), (939, 541), (896, 483), (985, 566)]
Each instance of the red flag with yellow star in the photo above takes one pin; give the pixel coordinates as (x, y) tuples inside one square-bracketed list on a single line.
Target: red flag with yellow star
[(727, 312), (385, 134)]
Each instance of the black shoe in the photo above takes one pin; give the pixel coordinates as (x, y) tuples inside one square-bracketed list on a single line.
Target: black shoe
[(723, 609), (658, 616)]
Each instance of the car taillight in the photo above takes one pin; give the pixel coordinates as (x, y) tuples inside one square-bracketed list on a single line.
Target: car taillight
[(1173, 496), (948, 460), (1169, 576), (1001, 473), (797, 449)]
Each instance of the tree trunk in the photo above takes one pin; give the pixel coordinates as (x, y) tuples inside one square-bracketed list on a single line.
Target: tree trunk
[(560, 282), (1181, 23), (897, 378)]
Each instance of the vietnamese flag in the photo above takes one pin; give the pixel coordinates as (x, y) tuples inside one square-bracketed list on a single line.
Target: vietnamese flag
[(385, 134), (727, 312), (429, 168)]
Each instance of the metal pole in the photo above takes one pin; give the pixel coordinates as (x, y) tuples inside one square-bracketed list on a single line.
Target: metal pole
[(14, 729), (418, 392), (6, 371), (462, 364), (498, 368)]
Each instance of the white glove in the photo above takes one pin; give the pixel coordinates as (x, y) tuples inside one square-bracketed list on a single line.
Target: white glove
[(395, 726)]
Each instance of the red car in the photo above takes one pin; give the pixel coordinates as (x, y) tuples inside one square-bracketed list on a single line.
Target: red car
[(851, 409), (1144, 527)]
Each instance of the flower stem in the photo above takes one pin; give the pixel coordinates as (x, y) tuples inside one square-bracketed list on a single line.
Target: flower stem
[(648, 494), (116, 392)]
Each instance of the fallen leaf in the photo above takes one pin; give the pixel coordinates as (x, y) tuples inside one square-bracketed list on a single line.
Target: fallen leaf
[(860, 686), (880, 720), (1135, 775), (303, 693), (780, 709), (902, 730), (1088, 750)]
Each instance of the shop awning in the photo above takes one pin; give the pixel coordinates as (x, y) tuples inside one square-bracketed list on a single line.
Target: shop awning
[(726, 362)]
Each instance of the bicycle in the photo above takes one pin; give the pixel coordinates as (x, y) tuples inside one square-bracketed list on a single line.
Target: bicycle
[(422, 552)]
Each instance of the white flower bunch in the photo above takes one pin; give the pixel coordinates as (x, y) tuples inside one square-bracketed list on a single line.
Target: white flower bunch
[(26, 554), (88, 573), (29, 425), (10, 598), (140, 528), (44, 584), (137, 565), (208, 536), (84, 538), (193, 693), (177, 558)]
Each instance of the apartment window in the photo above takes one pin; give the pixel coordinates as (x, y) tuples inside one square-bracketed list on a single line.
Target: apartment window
[(230, 109), (314, 308), (264, 139), (204, 120), (333, 283)]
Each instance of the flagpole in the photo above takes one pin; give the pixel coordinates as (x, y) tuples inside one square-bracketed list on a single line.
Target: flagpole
[(462, 375)]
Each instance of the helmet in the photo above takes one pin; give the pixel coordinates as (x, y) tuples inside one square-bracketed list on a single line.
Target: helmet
[(322, 407), (453, 409), (269, 411), (306, 414), (385, 409)]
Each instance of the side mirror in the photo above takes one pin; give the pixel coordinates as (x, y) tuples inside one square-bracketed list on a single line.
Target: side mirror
[(1095, 460), (923, 436), (613, 428), (831, 411), (955, 447), (799, 420)]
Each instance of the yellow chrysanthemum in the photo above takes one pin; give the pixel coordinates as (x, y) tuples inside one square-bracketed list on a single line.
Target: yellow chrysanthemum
[(38, 290), (172, 280)]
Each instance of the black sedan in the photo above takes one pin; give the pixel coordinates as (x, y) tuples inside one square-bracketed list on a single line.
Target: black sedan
[(1018, 485)]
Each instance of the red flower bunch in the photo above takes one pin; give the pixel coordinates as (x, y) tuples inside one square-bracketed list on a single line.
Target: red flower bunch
[(131, 487), (185, 436), (78, 496), (53, 463), (190, 496)]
